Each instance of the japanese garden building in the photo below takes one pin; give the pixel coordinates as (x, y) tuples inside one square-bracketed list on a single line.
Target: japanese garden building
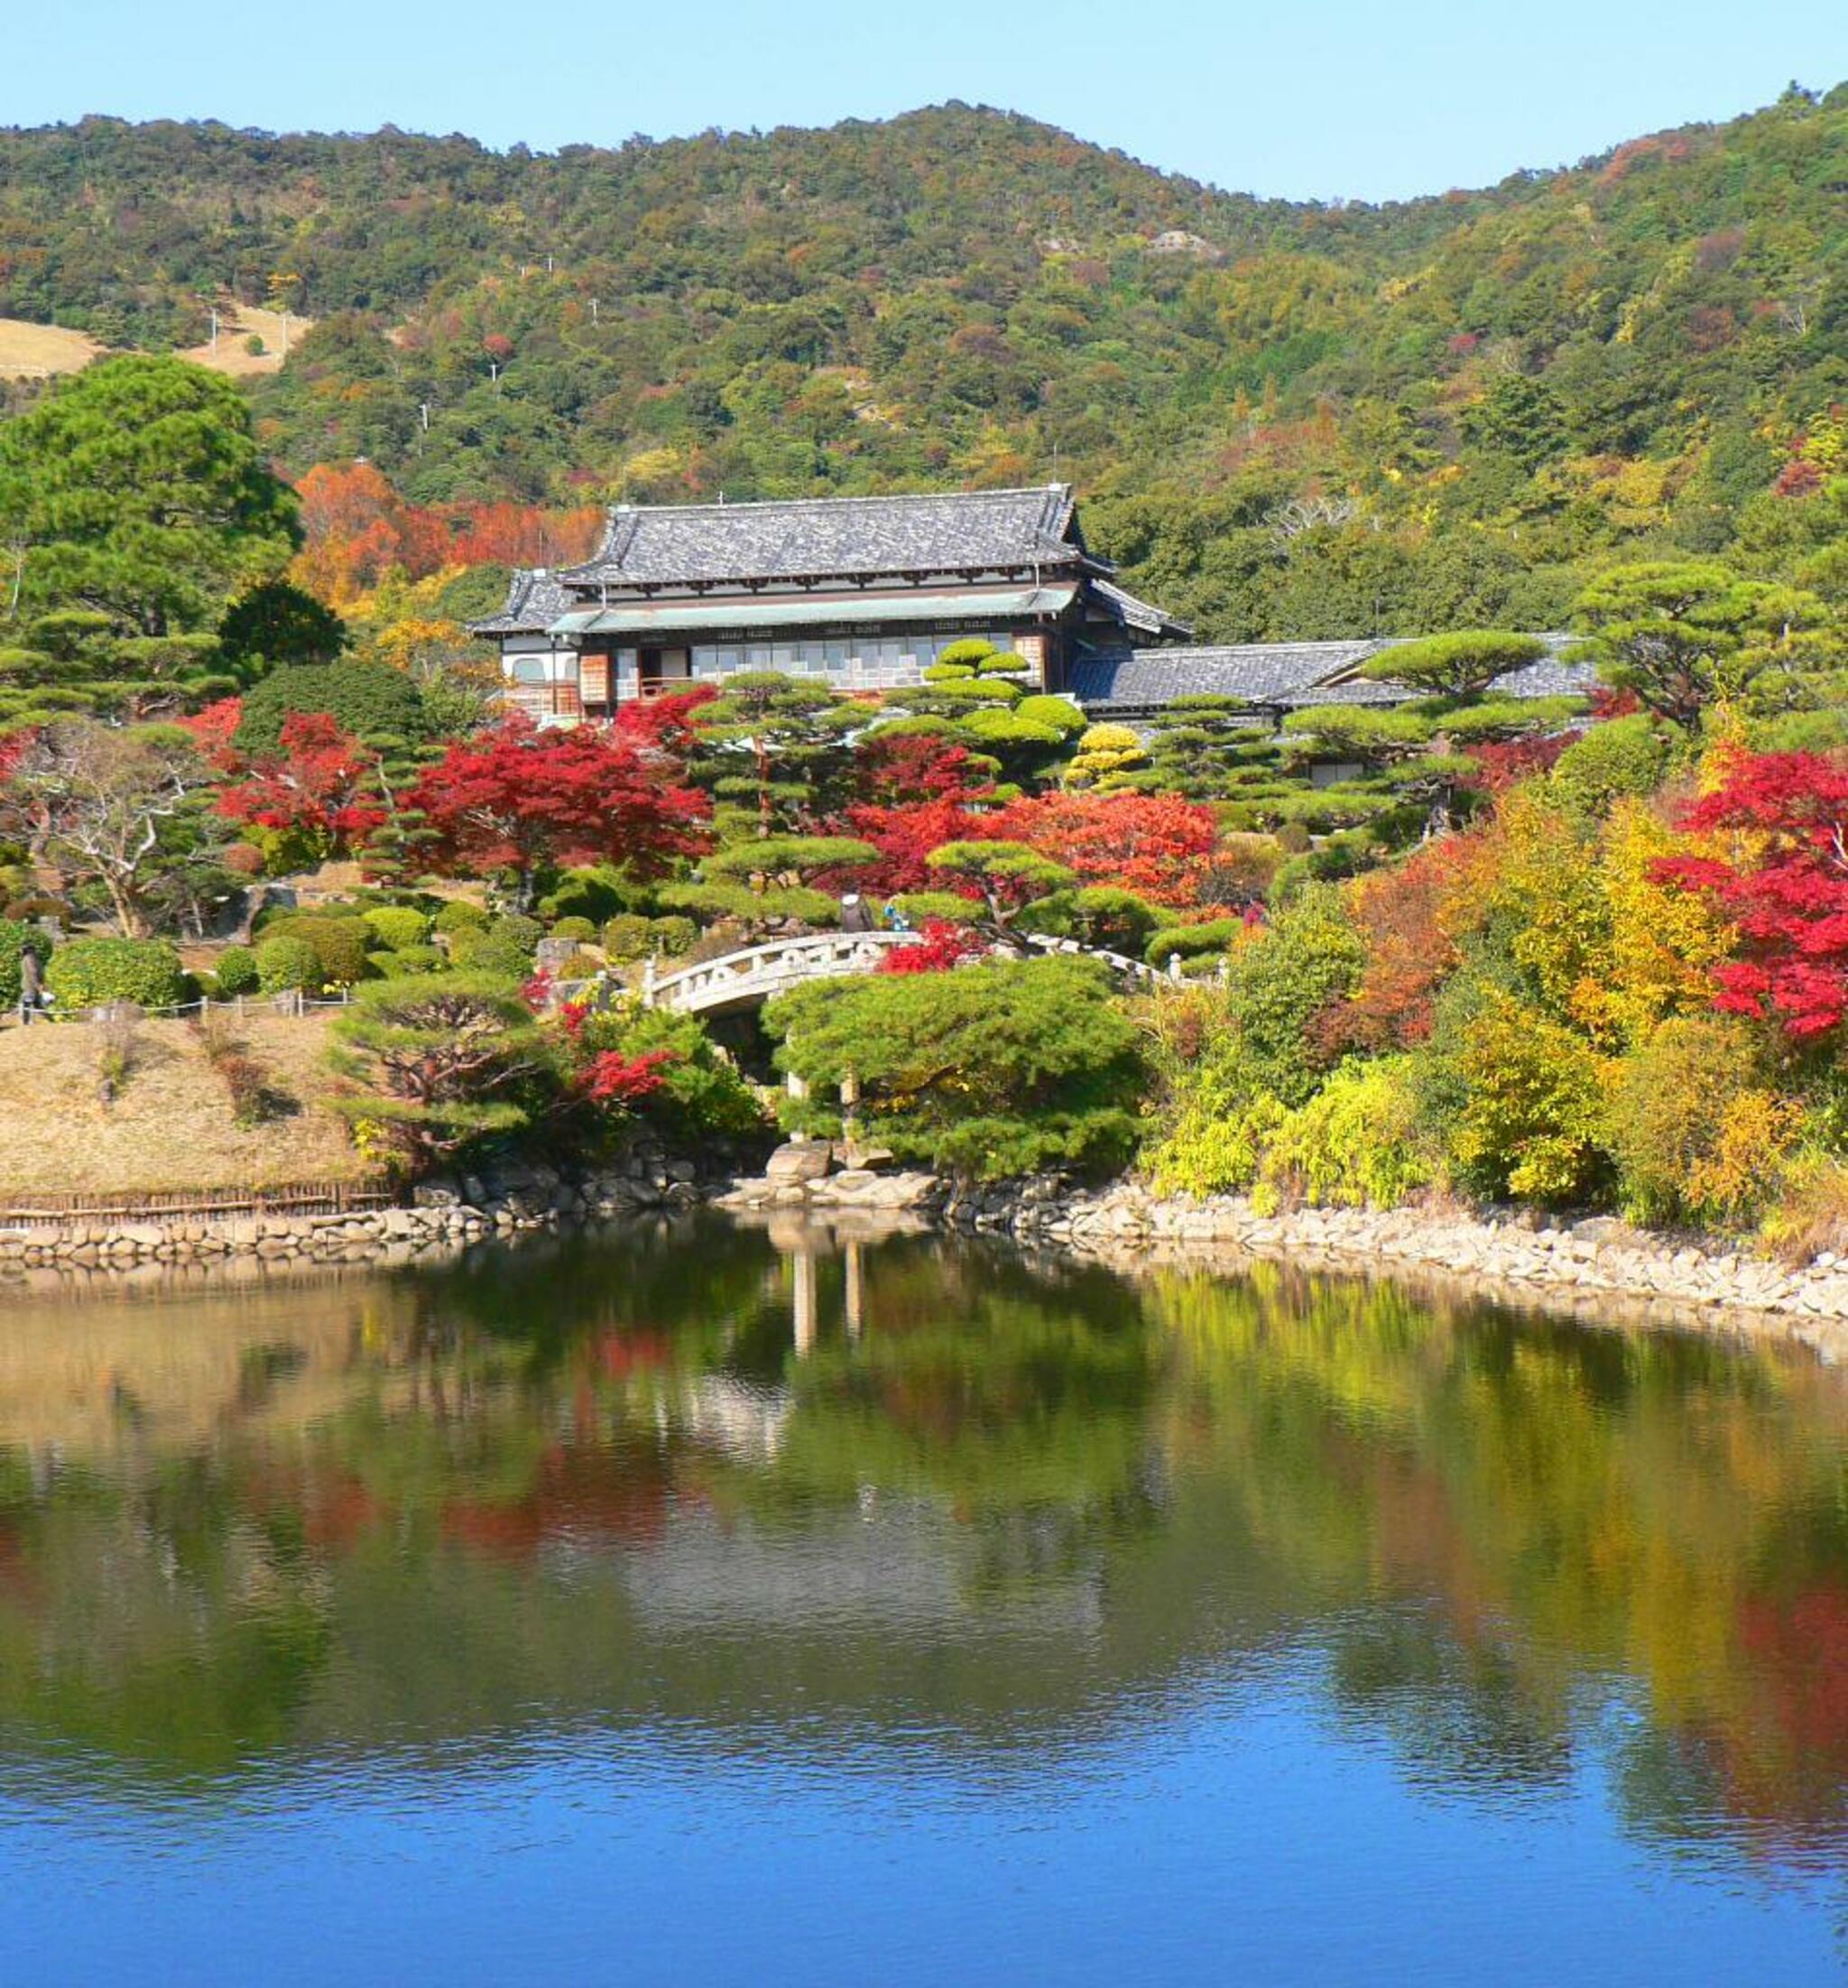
[(861, 592)]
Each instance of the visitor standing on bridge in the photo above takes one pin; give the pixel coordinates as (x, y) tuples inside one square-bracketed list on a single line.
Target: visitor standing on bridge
[(895, 919), (854, 916)]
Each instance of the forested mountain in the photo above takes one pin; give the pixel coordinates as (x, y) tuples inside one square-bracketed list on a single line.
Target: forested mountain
[(1290, 420)]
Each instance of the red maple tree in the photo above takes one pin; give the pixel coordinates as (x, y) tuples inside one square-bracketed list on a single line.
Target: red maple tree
[(904, 836), (323, 783), (215, 730), (1785, 887), (938, 948), (1158, 845), (895, 770), (521, 801)]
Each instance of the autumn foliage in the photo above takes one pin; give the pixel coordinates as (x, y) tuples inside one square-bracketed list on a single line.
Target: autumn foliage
[(1783, 882), (1155, 845), (323, 783), (358, 528), (940, 946), (521, 801)]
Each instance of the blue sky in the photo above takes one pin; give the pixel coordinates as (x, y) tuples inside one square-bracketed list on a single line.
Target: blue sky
[(1364, 98)]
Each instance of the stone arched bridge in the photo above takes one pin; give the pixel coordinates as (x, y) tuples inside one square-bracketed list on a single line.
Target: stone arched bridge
[(744, 979)]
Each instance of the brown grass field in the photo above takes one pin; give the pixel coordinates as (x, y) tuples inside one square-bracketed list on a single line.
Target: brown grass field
[(30, 351), (171, 1126)]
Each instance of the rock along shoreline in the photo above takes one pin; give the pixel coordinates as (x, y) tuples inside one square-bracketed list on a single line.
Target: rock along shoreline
[(1601, 1270)]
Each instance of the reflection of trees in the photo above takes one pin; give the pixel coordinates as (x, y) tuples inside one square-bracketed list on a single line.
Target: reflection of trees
[(599, 1479), (1582, 1504)]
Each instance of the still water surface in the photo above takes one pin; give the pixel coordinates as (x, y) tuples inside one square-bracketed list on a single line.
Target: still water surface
[(692, 1607)]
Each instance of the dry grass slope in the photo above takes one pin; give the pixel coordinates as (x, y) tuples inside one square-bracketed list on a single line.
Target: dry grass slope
[(33, 352), (36, 352), (171, 1127)]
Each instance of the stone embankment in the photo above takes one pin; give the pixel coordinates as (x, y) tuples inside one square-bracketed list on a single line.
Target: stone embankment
[(442, 1218), (1598, 1268)]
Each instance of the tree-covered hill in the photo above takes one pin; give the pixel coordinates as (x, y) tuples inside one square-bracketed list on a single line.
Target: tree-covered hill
[(1290, 419)]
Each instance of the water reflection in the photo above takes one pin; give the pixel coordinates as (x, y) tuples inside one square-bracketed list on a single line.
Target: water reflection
[(862, 1501)]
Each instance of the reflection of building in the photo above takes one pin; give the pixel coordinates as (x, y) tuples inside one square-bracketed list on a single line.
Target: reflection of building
[(861, 593)]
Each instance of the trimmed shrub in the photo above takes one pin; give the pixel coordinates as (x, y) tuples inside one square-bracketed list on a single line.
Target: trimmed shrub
[(1627, 755), (414, 959), (579, 929), (673, 936), (89, 973), (499, 952), (370, 700), (1191, 941), (458, 915), (628, 937), (970, 654), (285, 965), (395, 927), (340, 943), (235, 972), (596, 892), (515, 929)]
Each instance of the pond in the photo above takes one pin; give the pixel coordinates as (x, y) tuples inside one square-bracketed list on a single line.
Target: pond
[(706, 1605)]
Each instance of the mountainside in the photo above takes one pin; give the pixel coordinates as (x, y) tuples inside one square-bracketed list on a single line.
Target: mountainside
[(1291, 419)]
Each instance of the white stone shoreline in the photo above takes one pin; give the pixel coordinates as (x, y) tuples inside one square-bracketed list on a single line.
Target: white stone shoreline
[(1601, 1270)]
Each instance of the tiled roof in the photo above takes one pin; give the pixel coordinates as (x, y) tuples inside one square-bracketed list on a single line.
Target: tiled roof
[(819, 538), (1257, 672), (1290, 675), (1140, 615), (535, 599)]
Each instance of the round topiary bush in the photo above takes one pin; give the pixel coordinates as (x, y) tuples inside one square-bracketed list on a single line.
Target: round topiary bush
[(340, 943), (14, 936), (416, 959), (92, 972), (458, 915), (394, 927), (498, 953), (627, 935), (579, 929), (236, 974), (515, 929), (369, 700), (287, 965)]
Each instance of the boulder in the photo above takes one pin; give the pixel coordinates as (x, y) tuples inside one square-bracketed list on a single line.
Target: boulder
[(801, 1160)]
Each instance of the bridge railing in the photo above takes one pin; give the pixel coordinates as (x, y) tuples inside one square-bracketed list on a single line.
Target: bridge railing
[(757, 972)]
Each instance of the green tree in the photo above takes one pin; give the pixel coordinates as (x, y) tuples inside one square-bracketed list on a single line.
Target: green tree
[(277, 625), (772, 878), (113, 809), (439, 1063), (377, 704), (773, 753), (1458, 665), (1684, 635), (1011, 879), (990, 1070), (135, 489)]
